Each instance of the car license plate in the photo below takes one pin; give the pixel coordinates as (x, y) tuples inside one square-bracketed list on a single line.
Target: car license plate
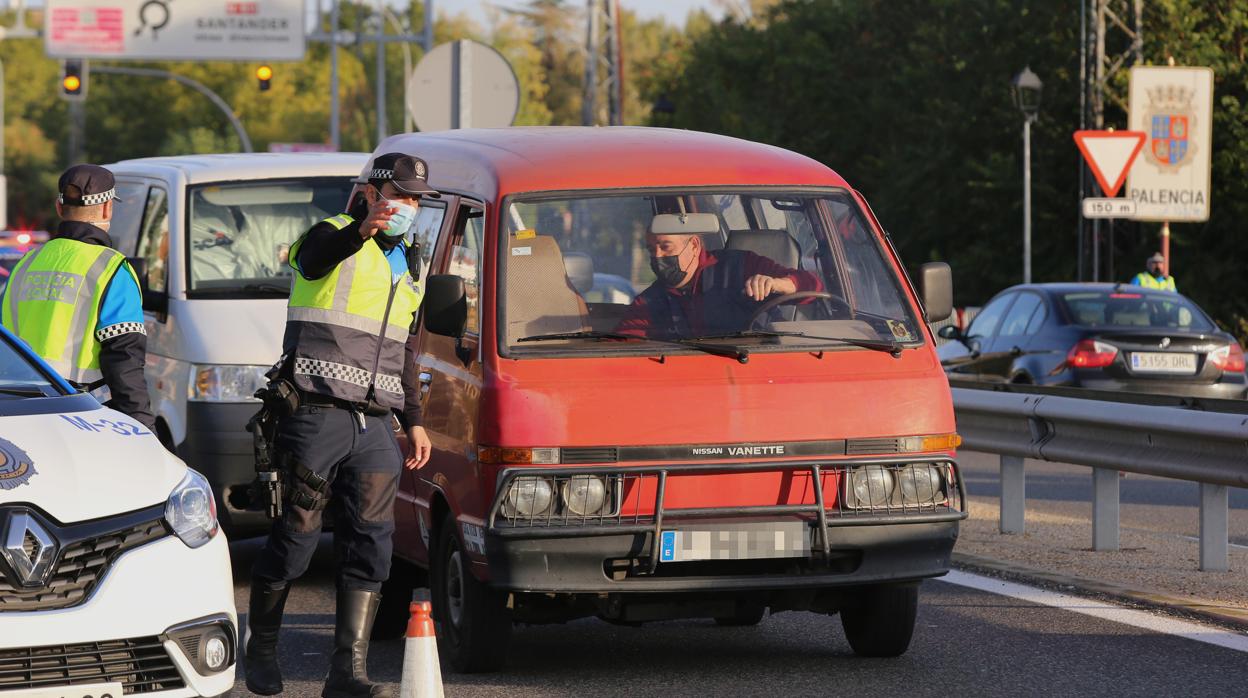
[(82, 690), (780, 539), (1158, 362)]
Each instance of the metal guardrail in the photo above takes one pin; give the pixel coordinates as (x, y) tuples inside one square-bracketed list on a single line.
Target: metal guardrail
[(1111, 432)]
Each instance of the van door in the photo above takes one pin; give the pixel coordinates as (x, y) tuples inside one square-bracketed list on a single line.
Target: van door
[(162, 372), (451, 379), (426, 232)]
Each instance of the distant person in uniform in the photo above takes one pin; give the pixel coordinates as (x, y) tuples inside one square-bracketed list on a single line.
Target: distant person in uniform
[(1156, 276), (76, 301), (699, 291)]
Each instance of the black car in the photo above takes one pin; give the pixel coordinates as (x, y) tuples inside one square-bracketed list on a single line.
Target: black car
[(1099, 336)]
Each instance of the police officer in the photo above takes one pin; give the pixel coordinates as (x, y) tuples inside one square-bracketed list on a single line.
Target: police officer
[(345, 351), (1156, 276), (76, 300)]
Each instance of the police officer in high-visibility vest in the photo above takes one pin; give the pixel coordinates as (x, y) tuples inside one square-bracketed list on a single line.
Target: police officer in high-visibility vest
[(1156, 276), (76, 301), (352, 306)]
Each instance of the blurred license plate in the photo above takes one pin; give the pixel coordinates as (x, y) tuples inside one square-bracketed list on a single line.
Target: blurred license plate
[(1157, 362), (82, 690), (780, 539)]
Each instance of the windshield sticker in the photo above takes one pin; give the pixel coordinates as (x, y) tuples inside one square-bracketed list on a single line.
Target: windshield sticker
[(521, 251), (16, 467), (900, 332), (526, 234), (121, 428)]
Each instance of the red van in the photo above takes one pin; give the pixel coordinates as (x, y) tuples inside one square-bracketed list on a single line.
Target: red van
[(608, 442)]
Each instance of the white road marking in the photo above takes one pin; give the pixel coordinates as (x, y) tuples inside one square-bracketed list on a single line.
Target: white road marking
[(1233, 545), (1105, 611)]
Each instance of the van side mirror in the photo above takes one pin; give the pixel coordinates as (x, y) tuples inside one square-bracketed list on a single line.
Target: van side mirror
[(936, 286), (446, 305), (153, 301)]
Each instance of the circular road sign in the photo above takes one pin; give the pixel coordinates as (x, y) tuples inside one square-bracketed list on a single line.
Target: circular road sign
[(463, 84)]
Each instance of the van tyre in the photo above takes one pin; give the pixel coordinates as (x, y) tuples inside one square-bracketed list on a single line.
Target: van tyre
[(879, 620), (747, 613), (396, 599), (474, 623)]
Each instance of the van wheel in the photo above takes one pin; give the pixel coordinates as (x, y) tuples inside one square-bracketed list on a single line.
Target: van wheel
[(879, 620), (474, 624), (396, 599), (747, 613)]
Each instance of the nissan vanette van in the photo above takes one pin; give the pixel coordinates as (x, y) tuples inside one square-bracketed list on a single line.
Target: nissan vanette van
[(209, 236), (606, 445)]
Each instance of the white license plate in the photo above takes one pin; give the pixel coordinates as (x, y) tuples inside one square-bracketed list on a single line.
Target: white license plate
[(82, 690), (734, 543), (1157, 362)]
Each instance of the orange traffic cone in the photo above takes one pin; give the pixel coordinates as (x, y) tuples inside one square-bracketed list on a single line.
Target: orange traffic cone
[(422, 675)]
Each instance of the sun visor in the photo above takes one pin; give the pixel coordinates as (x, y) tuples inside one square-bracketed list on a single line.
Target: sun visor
[(684, 224), (261, 194)]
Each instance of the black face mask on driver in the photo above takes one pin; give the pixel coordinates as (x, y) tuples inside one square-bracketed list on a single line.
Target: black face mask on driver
[(667, 269)]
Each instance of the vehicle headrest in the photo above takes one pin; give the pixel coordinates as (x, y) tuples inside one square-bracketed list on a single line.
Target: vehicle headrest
[(580, 268), (776, 245)]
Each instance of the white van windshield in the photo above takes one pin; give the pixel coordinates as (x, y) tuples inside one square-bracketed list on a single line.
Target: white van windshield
[(619, 273), (240, 233)]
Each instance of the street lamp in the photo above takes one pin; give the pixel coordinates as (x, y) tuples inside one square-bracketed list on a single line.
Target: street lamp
[(1026, 88)]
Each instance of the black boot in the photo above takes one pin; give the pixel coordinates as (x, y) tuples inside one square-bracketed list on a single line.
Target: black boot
[(348, 668), (264, 619)]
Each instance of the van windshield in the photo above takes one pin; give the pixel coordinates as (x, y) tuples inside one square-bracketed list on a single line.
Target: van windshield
[(622, 273), (240, 233)]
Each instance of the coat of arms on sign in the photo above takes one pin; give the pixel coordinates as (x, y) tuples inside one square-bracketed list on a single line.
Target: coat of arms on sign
[(1170, 118)]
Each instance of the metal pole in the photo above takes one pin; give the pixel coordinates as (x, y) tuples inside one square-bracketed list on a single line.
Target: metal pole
[(382, 128), (615, 96), (4, 183), (76, 128), (589, 109), (1104, 509), (1214, 555), (1083, 124), (1027, 200), (1013, 515), (457, 74), (244, 141), (334, 138), (428, 28)]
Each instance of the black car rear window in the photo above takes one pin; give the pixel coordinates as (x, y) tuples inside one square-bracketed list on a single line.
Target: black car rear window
[(1131, 309)]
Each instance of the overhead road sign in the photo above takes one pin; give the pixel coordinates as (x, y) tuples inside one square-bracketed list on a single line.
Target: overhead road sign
[(222, 30), (1109, 155), (1174, 106), (1108, 207), (463, 84)]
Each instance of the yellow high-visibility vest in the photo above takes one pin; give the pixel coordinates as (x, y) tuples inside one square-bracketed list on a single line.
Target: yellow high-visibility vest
[(1149, 281)]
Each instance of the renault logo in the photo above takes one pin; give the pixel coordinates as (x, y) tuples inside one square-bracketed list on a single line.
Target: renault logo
[(28, 548)]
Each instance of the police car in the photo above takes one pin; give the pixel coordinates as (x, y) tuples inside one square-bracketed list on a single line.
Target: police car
[(114, 575)]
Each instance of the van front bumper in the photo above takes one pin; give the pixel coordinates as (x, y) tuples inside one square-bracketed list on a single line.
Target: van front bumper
[(217, 444)]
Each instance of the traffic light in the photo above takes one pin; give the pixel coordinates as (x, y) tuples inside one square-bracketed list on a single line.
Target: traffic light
[(264, 74), (73, 79)]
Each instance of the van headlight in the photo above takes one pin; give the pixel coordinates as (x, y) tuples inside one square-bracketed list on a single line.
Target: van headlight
[(585, 495), (191, 511), (226, 383), (872, 486), (920, 483), (528, 497)]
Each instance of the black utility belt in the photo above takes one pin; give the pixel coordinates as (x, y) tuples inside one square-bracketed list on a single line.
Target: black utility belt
[(371, 408)]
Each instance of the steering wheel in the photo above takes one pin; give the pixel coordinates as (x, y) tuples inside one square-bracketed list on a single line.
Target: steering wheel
[(780, 300)]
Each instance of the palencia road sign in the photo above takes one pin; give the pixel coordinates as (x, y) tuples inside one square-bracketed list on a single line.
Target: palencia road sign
[(212, 30), (1174, 105), (1108, 207), (1109, 155)]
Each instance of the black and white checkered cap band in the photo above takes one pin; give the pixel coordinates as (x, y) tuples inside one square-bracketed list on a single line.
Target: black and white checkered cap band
[(92, 199), (382, 174)]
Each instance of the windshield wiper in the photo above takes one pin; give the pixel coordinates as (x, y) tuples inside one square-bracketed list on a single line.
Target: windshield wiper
[(22, 391), (893, 348), (714, 349)]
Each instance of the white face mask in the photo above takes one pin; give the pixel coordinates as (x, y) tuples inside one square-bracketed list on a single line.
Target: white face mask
[(402, 218)]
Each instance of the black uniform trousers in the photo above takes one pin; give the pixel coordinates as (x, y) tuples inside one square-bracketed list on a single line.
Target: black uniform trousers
[(359, 457)]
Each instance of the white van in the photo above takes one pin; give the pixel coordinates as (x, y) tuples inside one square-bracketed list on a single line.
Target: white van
[(209, 236)]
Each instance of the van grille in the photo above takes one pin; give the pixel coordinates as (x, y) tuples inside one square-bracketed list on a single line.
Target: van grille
[(581, 456), (869, 447), (141, 665)]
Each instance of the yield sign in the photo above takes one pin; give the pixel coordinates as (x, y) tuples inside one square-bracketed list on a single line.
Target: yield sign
[(1110, 154)]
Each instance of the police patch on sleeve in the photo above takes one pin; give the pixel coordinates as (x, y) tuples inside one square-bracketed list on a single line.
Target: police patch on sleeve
[(15, 466)]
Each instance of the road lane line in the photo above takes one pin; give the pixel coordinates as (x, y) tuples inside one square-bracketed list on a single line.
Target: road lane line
[(1099, 609), (1233, 545)]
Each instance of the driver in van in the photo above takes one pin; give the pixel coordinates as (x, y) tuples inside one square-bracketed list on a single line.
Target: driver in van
[(700, 292)]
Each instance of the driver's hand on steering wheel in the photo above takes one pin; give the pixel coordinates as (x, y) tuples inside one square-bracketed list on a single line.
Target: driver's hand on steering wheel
[(760, 286)]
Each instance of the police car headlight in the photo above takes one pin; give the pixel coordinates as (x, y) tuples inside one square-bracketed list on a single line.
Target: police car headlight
[(191, 510), (584, 495), (528, 497), (920, 483), (226, 383), (872, 486)]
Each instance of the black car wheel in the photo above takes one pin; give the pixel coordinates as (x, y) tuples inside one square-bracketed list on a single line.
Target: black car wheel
[(474, 624), (879, 620)]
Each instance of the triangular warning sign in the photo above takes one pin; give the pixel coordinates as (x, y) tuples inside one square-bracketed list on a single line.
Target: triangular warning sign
[(1110, 154)]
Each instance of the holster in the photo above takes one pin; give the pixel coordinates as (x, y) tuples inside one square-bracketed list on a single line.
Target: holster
[(278, 399)]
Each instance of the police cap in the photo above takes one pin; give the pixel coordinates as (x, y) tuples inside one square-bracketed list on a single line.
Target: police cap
[(406, 173), (86, 185)]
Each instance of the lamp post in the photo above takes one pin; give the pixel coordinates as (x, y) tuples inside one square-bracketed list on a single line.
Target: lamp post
[(1026, 87)]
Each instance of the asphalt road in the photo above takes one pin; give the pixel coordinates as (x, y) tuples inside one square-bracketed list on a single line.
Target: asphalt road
[(1170, 502), (967, 642)]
